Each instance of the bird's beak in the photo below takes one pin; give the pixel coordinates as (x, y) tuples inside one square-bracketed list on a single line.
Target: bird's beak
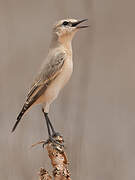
[(75, 24)]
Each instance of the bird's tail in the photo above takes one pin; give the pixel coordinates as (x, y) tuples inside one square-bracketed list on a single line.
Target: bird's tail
[(24, 109), (28, 104)]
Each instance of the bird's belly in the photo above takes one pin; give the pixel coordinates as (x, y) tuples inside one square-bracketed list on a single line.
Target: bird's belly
[(59, 82)]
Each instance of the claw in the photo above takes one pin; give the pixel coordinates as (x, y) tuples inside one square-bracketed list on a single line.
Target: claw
[(52, 140), (45, 143), (58, 137), (55, 139)]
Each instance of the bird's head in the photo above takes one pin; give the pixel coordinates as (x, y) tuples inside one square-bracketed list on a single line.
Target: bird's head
[(66, 29)]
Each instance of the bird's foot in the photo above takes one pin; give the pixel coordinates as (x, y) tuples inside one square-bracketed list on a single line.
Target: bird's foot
[(55, 139), (57, 134)]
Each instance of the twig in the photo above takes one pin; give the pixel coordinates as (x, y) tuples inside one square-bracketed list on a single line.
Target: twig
[(58, 160), (44, 175)]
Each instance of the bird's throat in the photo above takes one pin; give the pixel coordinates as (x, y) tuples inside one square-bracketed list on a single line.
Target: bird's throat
[(66, 42), (62, 41)]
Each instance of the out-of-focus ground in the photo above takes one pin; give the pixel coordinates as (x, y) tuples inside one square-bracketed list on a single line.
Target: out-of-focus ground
[(96, 110)]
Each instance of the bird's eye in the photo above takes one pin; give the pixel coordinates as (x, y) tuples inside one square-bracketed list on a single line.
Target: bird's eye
[(65, 23)]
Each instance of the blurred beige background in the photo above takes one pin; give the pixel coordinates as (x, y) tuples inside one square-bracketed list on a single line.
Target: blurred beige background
[(96, 110)]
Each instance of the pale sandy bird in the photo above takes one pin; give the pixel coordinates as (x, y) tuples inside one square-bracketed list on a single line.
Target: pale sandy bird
[(55, 71)]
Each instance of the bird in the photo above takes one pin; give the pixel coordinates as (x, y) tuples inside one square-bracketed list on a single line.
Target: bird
[(54, 73)]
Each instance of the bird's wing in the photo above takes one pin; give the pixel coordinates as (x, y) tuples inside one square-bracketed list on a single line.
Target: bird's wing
[(48, 72)]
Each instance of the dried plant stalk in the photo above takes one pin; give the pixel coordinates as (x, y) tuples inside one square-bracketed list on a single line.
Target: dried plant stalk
[(44, 175), (58, 160)]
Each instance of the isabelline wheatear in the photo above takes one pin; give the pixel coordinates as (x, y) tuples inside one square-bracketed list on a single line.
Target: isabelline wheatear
[(55, 71)]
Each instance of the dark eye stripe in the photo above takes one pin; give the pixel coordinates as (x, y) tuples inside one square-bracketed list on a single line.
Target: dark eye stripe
[(65, 23)]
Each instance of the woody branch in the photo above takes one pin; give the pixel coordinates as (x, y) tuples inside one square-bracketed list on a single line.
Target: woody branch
[(59, 162)]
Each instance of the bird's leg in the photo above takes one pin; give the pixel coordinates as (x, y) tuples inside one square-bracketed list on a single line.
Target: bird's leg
[(50, 124), (48, 128), (54, 134)]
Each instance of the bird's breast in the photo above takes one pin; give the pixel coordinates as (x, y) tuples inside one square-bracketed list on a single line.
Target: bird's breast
[(65, 73), (59, 82)]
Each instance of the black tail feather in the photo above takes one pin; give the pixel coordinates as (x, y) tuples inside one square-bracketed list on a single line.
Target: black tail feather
[(28, 104), (24, 109)]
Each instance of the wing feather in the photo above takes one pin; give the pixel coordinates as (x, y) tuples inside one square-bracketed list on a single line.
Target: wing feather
[(48, 72)]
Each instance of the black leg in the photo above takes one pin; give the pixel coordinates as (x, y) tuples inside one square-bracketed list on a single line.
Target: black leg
[(48, 128), (54, 134), (49, 123)]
